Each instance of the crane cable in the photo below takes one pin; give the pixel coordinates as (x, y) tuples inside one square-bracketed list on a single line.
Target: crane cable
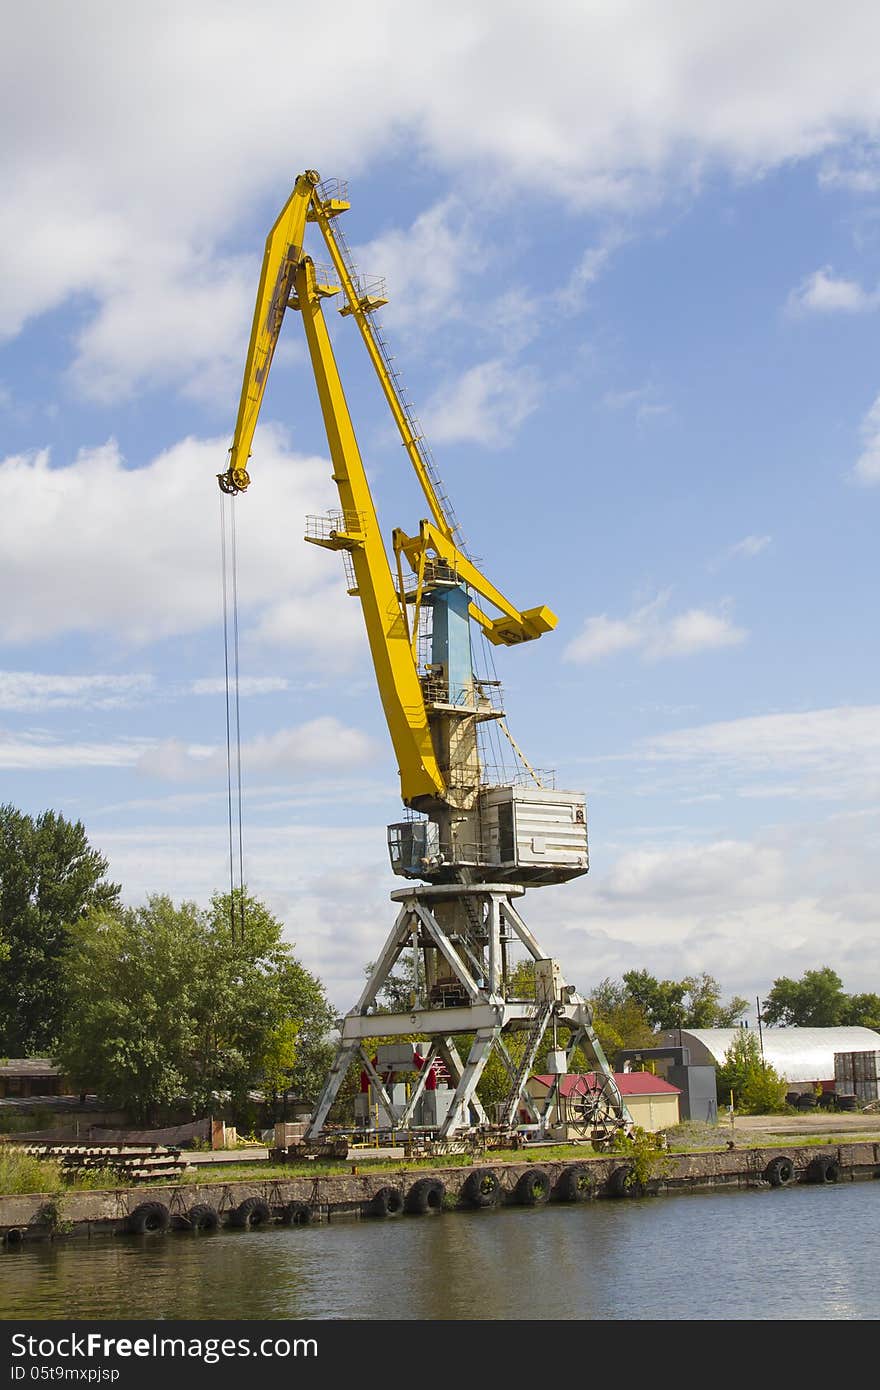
[(229, 571)]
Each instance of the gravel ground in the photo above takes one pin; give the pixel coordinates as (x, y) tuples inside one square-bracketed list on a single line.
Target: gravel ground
[(748, 1131)]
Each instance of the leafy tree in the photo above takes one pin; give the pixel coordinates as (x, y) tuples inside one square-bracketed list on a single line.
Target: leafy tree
[(817, 1000), (694, 1002), (620, 1020), (757, 1088), (262, 987), (705, 1007), (763, 1091), (49, 878), (170, 1003), (862, 1011)]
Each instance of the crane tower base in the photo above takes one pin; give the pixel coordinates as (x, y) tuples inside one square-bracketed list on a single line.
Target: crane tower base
[(460, 940)]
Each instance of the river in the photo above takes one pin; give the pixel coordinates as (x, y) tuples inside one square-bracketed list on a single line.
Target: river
[(790, 1253)]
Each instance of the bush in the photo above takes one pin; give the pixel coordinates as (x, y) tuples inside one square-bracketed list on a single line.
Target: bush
[(647, 1153), (763, 1093), (757, 1088)]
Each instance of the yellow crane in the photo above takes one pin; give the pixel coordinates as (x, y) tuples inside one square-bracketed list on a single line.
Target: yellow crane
[(472, 844), (429, 756)]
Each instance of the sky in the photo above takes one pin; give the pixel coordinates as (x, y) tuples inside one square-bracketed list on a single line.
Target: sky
[(632, 255)]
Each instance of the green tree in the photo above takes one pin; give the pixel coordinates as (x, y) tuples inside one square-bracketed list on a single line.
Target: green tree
[(705, 1008), (619, 1019), (49, 878), (816, 1000), (862, 1011), (255, 984), (757, 1088), (169, 1003), (694, 1002)]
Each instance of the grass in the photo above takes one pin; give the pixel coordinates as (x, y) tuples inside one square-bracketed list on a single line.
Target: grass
[(21, 1173)]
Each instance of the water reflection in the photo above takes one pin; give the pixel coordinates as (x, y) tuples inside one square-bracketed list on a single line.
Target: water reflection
[(801, 1252)]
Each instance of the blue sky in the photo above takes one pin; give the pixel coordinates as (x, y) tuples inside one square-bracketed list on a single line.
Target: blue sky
[(633, 260)]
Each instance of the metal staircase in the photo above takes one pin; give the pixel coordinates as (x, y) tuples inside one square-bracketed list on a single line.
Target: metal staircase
[(527, 1061)]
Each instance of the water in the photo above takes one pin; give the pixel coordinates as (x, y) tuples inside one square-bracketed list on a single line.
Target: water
[(800, 1252)]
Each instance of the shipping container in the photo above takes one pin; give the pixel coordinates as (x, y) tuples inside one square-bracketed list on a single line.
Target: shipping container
[(857, 1074)]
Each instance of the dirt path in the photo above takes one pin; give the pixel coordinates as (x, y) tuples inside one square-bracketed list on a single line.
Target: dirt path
[(747, 1128)]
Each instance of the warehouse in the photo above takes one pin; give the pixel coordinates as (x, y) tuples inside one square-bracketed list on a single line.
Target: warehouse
[(802, 1056)]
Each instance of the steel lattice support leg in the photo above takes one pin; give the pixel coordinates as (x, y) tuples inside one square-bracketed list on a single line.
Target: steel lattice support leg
[(345, 1055), (457, 1117)]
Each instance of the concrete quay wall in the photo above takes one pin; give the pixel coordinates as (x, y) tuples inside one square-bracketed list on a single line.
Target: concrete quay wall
[(330, 1197)]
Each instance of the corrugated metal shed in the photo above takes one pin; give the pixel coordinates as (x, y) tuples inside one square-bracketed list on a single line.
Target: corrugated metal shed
[(797, 1054)]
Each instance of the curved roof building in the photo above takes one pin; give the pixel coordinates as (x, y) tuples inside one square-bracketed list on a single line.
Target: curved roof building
[(797, 1054)]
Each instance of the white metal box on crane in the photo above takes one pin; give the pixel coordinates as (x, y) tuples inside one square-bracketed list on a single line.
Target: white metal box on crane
[(540, 834)]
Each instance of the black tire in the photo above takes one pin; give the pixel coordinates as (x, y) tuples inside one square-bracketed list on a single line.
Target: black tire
[(532, 1189), (780, 1171), (251, 1214), (823, 1170), (14, 1236), (425, 1197), (201, 1217), (387, 1202), (481, 1188), (575, 1184), (148, 1219), (622, 1184), (297, 1214)]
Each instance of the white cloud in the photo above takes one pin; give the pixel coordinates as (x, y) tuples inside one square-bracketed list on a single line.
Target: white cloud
[(750, 546), (572, 296), (32, 690), (136, 551), (652, 876), (324, 742), (654, 633), (36, 753), (183, 321), (867, 468), (425, 265), (824, 293), (746, 549), (642, 401), (812, 756), (778, 740), (486, 404), (857, 171), (157, 194), (247, 685)]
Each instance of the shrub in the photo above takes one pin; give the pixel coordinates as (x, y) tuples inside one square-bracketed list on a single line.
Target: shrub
[(757, 1088), (647, 1154)]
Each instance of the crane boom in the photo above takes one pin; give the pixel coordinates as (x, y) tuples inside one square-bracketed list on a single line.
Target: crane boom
[(280, 259), (387, 632)]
